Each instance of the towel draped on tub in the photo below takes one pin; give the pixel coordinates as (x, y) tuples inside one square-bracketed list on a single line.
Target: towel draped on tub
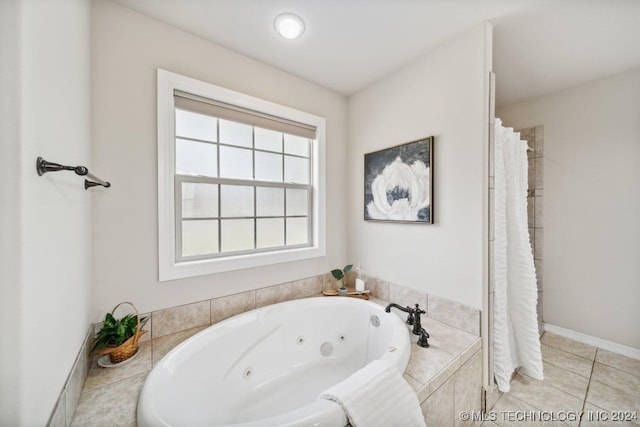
[(377, 396)]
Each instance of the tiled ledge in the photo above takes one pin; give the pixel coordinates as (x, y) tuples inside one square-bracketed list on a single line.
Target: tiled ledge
[(454, 329)]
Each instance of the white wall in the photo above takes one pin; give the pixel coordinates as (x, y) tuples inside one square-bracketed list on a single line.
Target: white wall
[(444, 94), (10, 210), (592, 205), (127, 48), (48, 284)]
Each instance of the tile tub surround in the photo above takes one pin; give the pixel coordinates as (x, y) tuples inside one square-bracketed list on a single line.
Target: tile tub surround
[(168, 327), (452, 363), (70, 395)]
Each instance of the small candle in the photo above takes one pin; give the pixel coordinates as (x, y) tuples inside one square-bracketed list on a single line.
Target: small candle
[(359, 285)]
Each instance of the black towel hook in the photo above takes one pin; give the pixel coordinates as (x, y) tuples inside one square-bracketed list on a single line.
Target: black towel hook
[(43, 166)]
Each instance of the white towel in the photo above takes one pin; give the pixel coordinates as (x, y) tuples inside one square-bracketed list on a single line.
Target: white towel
[(377, 396)]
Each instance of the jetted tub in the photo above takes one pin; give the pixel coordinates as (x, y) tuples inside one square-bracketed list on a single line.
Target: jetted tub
[(267, 367)]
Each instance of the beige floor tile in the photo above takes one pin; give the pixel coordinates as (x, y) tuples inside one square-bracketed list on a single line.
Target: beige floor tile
[(508, 409), (110, 405), (562, 359), (612, 399), (565, 380), (544, 397), (618, 361), (616, 378), (569, 345), (593, 416)]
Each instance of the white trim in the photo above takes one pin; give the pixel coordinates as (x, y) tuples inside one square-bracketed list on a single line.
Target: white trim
[(168, 268), (611, 346)]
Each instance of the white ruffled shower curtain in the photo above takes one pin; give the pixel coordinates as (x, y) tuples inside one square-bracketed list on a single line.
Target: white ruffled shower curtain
[(516, 339)]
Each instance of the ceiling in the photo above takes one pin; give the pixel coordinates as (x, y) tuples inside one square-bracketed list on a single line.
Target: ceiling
[(540, 46)]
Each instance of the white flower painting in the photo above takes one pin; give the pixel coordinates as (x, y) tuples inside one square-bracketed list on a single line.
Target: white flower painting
[(398, 183)]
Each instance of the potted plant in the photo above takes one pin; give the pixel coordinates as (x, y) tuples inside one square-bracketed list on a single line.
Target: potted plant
[(119, 337), (341, 275)]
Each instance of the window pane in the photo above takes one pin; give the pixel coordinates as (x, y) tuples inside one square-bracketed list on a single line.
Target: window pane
[(236, 163), (270, 232), (268, 166), (235, 133), (197, 126), (297, 231), (196, 158), (199, 237), (237, 235), (296, 202), (270, 201), (296, 170), (236, 200), (199, 200), (296, 145), (268, 140)]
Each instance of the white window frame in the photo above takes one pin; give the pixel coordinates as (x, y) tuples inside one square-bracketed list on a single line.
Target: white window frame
[(168, 267)]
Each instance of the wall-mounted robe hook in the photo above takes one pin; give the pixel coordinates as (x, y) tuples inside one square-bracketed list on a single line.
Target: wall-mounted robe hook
[(43, 166)]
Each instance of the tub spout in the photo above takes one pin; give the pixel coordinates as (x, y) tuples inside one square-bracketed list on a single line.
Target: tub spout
[(407, 309), (413, 319)]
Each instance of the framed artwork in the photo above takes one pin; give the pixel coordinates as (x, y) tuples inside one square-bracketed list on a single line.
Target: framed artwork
[(398, 183)]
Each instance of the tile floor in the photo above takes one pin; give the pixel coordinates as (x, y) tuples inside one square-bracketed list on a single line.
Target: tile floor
[(578, 378)]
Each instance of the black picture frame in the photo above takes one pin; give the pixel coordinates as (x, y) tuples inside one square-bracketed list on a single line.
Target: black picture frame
[(398, 183)]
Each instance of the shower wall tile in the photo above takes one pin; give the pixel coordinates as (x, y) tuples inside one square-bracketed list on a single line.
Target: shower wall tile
[(176, 319), (539, 308), (532, 173), (538, 244), (539, 270), (532, 238), (531, 207), (539, 161), (230, 305), (539, 211), (273, 294), (539, 142), (307, 287), (454, 313)]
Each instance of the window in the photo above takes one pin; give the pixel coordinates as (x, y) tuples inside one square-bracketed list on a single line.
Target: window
[(240, 180)]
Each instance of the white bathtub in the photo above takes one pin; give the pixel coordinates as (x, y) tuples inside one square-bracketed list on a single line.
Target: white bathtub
[(267, 367)]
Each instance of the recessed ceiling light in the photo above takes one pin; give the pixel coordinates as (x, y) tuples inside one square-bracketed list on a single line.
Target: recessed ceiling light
[(289, 26)]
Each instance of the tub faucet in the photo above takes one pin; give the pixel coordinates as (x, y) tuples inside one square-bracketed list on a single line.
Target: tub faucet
[(414, 320), (407, 309)]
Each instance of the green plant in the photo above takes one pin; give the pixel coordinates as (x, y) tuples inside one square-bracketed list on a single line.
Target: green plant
[(340, 274), (114, 331)]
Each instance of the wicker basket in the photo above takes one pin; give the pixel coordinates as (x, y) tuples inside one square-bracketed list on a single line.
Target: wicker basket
[(128, 348)]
